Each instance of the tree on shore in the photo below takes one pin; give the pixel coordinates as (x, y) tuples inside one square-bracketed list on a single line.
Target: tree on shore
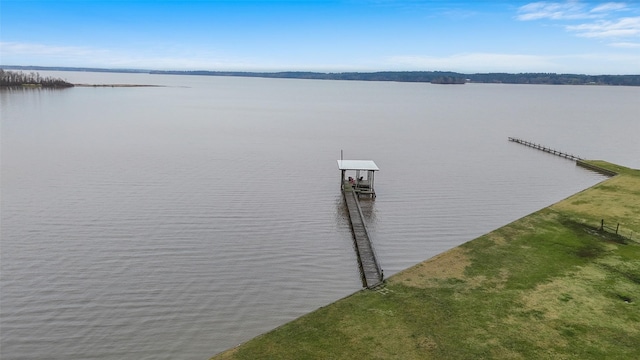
[(16, 79)]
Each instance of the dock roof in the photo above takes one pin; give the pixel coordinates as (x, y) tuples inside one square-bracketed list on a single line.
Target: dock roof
[(357, 165)]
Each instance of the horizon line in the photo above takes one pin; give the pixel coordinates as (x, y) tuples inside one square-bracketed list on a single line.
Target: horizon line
[(143, 70)]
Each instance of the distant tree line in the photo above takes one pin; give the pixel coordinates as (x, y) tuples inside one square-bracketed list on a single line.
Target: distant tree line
[(439, 77), (556, 79), (15, 79)]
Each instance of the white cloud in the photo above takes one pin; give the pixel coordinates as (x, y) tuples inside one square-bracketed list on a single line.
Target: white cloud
[(14, 48), (477, 62), (553, 11), (625, 27), (603, 63), (607, 7), (601, 21), (568, 10), (44, 55), (626, 45), (14, 53)]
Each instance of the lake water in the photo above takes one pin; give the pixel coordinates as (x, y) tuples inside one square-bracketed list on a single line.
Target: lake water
[(175, 222)]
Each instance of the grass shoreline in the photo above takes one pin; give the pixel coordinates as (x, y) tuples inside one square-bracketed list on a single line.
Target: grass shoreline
[(548, 285)]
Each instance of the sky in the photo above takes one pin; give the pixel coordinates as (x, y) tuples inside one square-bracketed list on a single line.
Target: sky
[(468, 36)]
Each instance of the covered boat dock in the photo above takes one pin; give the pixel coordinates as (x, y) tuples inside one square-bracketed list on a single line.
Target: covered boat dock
[(356, 178)]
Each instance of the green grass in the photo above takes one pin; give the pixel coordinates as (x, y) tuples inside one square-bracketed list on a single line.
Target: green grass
[(549, 285)]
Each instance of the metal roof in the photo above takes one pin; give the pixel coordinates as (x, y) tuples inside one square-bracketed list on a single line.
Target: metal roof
[(357, 165)]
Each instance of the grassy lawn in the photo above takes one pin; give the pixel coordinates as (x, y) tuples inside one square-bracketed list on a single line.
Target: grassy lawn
[(550, 285)]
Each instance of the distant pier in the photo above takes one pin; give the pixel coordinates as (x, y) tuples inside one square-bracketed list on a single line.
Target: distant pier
[(546, 149), (579, 161)]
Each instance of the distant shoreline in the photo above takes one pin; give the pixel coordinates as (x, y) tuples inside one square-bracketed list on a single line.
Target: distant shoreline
[(396, 76)]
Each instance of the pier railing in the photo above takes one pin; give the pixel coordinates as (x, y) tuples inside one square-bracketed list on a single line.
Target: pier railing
[(546, 149), (579, 161), (368, 265), (373, 249)]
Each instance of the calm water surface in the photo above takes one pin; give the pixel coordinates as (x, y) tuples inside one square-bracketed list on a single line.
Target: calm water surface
[(175, 222)]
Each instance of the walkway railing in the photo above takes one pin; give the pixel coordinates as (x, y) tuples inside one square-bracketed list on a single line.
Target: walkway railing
[(546, 149), (369, 267)]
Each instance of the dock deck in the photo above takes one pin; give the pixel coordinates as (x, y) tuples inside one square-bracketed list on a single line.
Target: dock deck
[(370, 270)]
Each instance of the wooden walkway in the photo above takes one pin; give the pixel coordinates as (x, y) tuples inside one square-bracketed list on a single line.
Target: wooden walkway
[(546, 149), (370, 271)]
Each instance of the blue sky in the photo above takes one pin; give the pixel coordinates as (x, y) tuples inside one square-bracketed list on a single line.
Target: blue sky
[(590, 37)]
